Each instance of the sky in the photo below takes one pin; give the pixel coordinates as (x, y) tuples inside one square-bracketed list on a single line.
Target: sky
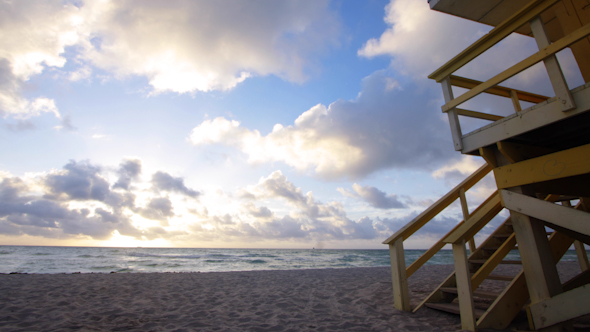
[(233, 124)]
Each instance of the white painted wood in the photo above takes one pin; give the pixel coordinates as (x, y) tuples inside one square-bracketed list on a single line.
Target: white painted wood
[(452, 114), (532, 60), (401, 294), (464, 292), (527, 120), (562, 92), (560, 308), (572, 219)]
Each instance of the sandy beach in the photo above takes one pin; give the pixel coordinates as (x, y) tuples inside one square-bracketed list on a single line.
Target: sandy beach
[(355, 299)]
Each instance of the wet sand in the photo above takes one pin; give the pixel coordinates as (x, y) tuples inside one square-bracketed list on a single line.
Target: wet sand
[(355, 299)]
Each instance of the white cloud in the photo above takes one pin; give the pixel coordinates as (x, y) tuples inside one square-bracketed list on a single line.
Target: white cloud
[(182, 46), (34, 35), (188, 46), (419, 39), (384, 128)]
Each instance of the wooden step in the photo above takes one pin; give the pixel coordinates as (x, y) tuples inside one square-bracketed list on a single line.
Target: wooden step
[(484, 294), (500, 277), (452, 308), (502, 235), (495, 248), (482, 261)]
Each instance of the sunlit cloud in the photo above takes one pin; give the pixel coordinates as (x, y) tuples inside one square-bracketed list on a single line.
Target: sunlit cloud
[(384, 128), (183, 47)]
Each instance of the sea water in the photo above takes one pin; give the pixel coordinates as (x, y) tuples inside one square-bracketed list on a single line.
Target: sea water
[(31, 259)]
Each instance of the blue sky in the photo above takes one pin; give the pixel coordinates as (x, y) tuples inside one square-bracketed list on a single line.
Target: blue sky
[(291, 124)]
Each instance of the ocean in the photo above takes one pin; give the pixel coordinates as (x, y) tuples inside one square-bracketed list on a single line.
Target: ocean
[(30, 259)]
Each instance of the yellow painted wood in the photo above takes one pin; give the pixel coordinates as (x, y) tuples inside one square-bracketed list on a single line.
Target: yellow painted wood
[(560, 308), (489, 156), (519, 67), (465, 210), (515, 101), (518, 152), (464, 206), (577, 281), (582, 255), (497, 90), (501, 31), (436, 295), (537, 261), (480, 217), (492, 262), (571, 17), (510, 152), (429, 253), (572, 219), (574, 161), (478, 115), (508, 304), (399, 281), (464, 290), (440, 205)]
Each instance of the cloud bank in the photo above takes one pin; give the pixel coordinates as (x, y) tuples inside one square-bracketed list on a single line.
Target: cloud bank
[(88, 201)]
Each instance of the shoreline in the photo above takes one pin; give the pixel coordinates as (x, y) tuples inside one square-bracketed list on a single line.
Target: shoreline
[(335, 299)]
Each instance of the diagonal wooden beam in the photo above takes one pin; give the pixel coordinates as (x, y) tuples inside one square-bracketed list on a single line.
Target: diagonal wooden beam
[(572, 219), (560, 308)]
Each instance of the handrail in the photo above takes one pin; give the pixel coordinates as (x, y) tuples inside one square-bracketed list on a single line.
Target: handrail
[(522, 65), (477, 220), (526, 14), (497, 90), (478, 115), (437, 207)]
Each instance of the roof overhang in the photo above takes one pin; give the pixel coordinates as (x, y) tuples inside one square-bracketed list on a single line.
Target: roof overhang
[(494, 12)]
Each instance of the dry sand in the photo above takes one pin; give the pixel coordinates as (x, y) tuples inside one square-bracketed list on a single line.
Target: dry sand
[(355, 299)]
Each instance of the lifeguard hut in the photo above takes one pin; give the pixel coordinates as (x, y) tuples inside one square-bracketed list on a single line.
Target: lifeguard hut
[(540, 158)]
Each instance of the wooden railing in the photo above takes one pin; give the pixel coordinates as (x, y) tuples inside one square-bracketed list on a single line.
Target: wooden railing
[(399, 272), (547, 50)]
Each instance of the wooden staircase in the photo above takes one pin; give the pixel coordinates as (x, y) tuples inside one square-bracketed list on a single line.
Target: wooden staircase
[(462, 292)]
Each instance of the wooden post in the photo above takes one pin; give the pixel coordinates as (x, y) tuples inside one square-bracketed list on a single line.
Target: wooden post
[(401, 294), (464, 292), (537, 262), (452, 113), (571, 16), (562, 92), (582, 255), (515, 101), (465, 210), (580, 250)]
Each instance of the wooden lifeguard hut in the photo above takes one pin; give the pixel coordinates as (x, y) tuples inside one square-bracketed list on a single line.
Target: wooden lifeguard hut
[(540, 158)]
